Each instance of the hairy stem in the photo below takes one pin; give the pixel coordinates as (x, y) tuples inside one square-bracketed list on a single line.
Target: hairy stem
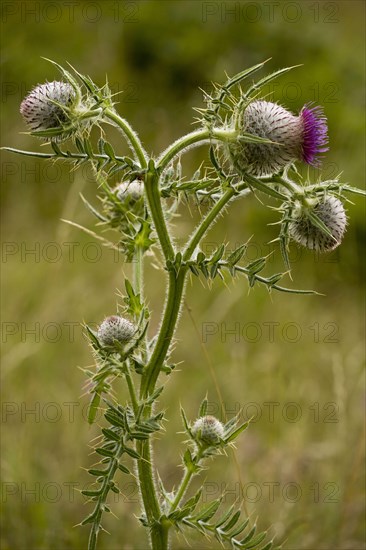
[(158, 531), (130, 134), (138, 272), (206, 223), (166, 332), (154, 200), (131, 389), (194, 138), (184, 484)]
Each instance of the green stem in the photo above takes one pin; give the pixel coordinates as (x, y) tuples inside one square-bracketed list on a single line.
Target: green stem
[(149, 496), (130, 134), (206, 223), (194, 138), (158, 531), (138, 272), (138, 285), (160, 534), (166, 332), (289, 185), (131, 389), (154, 200), (187, 477)]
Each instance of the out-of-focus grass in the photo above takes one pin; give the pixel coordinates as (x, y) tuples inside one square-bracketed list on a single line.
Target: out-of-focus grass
[(286, 358)]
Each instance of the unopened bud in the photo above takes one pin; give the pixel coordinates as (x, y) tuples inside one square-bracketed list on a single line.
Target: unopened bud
[(115, 328), (331, 212), (46, 107), (208, 430), (130, 190)]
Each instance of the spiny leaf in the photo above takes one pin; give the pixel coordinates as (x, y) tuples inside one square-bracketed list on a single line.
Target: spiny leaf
[(237, 255), (203, 408), (97, 473), (132, 453), (109, 434), (240, 528), (93, 407), (90, 493), (268, 79), (237, 432), (208, 511)]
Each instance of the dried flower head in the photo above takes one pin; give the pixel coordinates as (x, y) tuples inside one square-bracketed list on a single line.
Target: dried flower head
[(115, 328), (300, 137), (208, 430), (46, 107), (304, 231)]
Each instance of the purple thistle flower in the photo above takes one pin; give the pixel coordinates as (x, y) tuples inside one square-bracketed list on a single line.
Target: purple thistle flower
[(300, 137), (315, 134)]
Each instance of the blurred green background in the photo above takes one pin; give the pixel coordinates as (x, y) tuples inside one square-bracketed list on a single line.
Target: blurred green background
[(294, 362)]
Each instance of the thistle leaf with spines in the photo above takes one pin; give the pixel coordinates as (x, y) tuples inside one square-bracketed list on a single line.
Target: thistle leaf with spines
[(226, 529)]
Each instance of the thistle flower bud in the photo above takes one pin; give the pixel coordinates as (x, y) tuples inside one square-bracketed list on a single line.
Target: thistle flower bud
[(300, 137), (331, 212), (130, 190), (208, 430), (115, 328), (46, 107)]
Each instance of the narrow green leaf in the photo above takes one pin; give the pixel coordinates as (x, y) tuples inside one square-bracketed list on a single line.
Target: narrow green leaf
[(315, 220), (104, 452), (132, 453), (230, 524), (90, 493), (109, 151), (244, 74), (239, 529), (208, 511), (237, 255), (97, 473), (109, 434), (124, 469), (218, 254), (185, 421), (188, 460), (203, 408), (248, 538), (225, 517), (90, 519), (79, 145), (93, 408), (93, 210), (114, 419), (255, 541), (256, 266), (237, 432), (258, 184), (267, 79)]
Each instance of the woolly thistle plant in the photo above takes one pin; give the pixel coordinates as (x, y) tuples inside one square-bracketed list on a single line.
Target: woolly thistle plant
[(253, 147)]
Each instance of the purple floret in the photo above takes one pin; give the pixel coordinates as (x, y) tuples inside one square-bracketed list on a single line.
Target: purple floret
[(315, 136)]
